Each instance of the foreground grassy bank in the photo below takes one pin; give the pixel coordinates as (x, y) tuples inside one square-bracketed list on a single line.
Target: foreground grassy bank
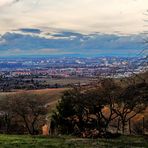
[(12, 141)]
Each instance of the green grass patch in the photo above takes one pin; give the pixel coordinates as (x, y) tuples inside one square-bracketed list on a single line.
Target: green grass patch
[(19, 141)]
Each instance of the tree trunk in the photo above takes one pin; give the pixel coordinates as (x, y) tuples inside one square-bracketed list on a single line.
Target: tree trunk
[(27, 126), (7, 123), (143, 124), (123, 127), (130, 131), (33, 125), (118, 126)]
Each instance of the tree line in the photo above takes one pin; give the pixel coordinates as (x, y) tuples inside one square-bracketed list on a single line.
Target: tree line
[(105, 110), (102, 111)]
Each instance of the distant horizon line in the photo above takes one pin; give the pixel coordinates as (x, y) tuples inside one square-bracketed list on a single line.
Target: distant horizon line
[(70, 55)]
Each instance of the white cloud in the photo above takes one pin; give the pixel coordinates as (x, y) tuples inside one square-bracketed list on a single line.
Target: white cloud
[(107, 16), (4, 2)]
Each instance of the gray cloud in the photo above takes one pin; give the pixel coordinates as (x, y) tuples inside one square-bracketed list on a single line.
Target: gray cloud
[(30, 30), (73, 43)]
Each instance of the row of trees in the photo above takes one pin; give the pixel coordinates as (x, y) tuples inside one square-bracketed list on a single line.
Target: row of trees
[(94, 112), (11, 84)]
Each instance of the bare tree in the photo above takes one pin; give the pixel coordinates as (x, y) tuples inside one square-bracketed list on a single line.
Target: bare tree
[(133, 100), (30, 108)]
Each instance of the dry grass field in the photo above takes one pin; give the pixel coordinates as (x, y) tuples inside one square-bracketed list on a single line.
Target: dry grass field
[(53, 95)]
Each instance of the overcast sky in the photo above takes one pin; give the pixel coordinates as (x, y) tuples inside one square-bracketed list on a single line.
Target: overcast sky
[(82, 16), (126, 16)]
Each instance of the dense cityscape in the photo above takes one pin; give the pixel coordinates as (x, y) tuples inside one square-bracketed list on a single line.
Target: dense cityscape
[(55, 72), (62, 67)]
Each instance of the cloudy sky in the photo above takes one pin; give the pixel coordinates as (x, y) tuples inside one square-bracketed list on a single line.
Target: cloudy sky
[(105, 27)]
